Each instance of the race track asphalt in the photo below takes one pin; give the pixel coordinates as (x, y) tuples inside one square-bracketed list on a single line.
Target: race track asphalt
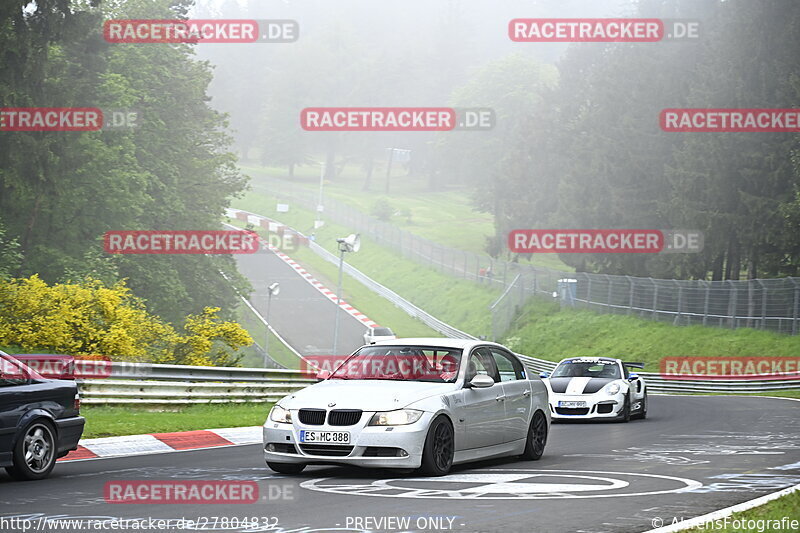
[(300, 313), (594, 477)]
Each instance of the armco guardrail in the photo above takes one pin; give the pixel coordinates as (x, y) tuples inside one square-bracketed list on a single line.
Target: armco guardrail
[(142, 383), (411, 309), (137, 384)]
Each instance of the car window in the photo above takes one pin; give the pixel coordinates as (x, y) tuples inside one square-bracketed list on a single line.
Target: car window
[(480, 362), (12, 373), (509, 369), (574, 368), (401, 363)]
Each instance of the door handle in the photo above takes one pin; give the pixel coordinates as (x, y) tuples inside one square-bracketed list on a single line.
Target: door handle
[(501, 398), (526, 393)]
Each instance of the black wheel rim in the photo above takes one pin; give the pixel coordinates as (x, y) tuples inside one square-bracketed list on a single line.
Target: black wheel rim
[(37, 448), (442, 446), (538, 433)]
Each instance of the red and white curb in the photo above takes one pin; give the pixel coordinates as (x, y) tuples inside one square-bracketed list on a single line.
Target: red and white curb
[(358, 315), (258, 220), (164, 442)]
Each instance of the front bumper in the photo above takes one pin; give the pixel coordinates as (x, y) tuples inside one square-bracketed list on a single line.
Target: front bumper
[(596, 406), (369, 446)]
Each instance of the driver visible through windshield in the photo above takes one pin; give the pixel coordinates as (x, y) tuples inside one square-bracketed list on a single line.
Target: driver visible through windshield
[(587, 369), (402, 363)]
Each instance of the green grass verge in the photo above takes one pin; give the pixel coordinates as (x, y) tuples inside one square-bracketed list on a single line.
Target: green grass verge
[(277, 350), (446, 217), (453, 300), (765, 517), (107, 421), (545, 330)]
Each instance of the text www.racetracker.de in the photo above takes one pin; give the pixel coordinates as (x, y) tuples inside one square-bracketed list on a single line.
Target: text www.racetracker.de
[(47, 525)]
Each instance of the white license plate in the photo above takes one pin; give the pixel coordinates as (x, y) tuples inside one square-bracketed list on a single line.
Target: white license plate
[(572, 404), (326, 437)]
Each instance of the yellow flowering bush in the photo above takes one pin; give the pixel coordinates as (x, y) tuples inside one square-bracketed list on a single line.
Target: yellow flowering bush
[(90, 318)]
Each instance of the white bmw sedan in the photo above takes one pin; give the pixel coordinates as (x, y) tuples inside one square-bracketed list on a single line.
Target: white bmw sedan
[(412, 403)]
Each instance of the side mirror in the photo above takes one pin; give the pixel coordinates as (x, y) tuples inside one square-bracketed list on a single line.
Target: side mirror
[(481, 381), (544, 375), (633, 377)]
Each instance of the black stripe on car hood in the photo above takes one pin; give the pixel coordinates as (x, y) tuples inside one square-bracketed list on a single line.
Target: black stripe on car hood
[(559, 385), (595, 384)]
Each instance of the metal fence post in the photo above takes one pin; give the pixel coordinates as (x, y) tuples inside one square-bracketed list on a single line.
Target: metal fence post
[(705, 303), (680, 302), (631, 290), (588, 290), (763, 304), (732, 302), (608, 295), (796, 310), (655, 297)]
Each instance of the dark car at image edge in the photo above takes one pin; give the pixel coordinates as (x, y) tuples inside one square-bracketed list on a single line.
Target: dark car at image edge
[(39, 420)]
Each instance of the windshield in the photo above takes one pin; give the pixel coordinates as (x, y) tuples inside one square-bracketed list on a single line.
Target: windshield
[(402, 363), (587, 369)]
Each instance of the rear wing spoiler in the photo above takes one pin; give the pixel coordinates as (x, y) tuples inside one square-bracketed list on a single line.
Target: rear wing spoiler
[(634, 365)]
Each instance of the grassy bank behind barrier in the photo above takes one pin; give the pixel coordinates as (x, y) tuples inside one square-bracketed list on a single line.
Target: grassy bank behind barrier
[(548, 331), (543, 330)]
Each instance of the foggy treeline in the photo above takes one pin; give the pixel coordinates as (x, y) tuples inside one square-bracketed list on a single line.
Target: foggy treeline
[(577, 142)]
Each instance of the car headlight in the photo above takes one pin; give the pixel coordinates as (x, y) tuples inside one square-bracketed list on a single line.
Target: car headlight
[(279, 414), (401, 417), (612, 389)]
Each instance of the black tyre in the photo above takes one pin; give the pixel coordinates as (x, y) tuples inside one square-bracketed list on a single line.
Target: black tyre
[(34, 454), (286, 468), (437, 455), (626, 410), (643, 411), (537, 438)]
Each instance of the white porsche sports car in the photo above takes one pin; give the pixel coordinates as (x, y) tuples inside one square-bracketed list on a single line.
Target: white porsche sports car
[(412, 403), (596, 387)]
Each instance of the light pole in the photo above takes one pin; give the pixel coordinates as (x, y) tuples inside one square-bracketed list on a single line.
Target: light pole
[(274, 290), (351, 243)]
